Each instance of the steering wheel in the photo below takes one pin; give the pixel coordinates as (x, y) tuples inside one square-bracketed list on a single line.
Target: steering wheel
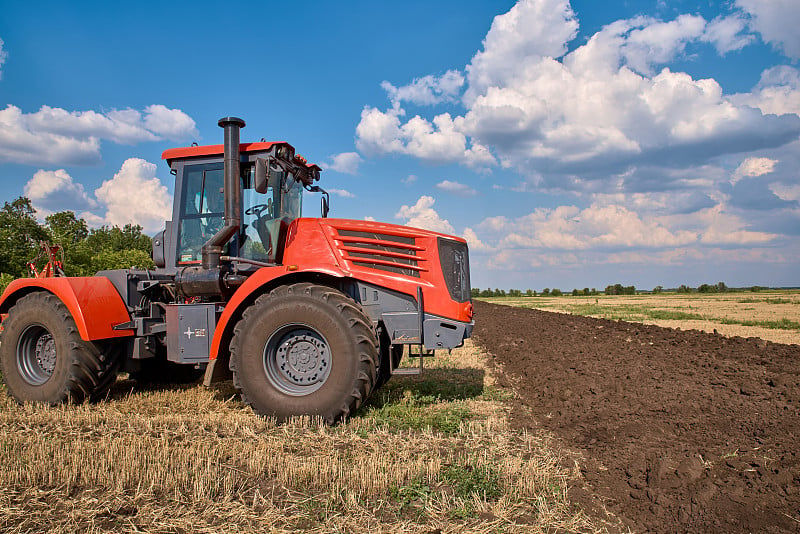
[(256, 210)]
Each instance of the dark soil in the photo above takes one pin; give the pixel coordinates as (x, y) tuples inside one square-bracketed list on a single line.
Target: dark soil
[(674, 431)]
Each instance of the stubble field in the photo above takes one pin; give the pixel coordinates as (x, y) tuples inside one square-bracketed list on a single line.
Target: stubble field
[(427, 454)]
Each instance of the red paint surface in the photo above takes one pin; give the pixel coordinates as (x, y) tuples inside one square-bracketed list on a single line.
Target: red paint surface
[(93, 302)]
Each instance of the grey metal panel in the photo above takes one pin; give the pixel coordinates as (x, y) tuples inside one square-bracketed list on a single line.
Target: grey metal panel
[(440, 333), (190, 329), (378, 301), (400, 315), (402, 327)]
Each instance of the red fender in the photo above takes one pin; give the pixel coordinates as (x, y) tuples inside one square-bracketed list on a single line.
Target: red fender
[(253, 284), (93, 302)]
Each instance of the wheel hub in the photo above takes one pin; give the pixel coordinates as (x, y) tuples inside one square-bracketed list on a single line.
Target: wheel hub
[(302, 358), (46, 354), (297, 360), (36, 355)]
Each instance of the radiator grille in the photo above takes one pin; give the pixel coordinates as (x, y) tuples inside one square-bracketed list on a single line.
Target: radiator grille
[(385, 252)]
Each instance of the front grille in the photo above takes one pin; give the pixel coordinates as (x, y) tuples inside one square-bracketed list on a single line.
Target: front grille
[(385, 252), (454, 258)]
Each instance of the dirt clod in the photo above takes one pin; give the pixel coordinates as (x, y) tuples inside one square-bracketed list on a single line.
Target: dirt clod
[(676, 430)]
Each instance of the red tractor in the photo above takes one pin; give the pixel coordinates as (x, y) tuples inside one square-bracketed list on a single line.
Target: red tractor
[(307, 315)]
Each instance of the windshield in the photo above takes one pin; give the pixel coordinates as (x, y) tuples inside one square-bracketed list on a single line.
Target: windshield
[(266, 217)]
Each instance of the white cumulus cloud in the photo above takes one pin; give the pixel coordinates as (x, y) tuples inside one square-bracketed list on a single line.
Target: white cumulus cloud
[(346, 162), (456, 188), (608, 107), (422, 215), (753, 167), (776, 21), (728, 33), (135, 196), (427, 90), (341, 193), (51, 191), (59, 137), (777, 92), (437, 141)]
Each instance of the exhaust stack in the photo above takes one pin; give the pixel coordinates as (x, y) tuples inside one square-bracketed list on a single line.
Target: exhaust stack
[(212, 249)]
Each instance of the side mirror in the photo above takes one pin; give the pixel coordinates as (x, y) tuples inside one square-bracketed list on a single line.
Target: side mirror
[(325, 205), (261, 181)]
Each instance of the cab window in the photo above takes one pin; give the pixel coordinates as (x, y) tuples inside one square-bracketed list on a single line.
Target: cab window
[(202, 209)]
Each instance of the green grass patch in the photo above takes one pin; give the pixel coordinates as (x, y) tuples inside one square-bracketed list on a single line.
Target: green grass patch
[(414, 412), (468, 480), (672, 315), (776, 300), (781, 324), (435, 400), (631, 313)]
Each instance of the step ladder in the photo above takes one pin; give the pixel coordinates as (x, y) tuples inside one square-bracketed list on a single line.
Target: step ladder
[(420, 353)]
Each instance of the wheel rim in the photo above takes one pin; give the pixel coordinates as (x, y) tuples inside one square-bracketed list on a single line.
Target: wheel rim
[(297, 360), (36, 355)]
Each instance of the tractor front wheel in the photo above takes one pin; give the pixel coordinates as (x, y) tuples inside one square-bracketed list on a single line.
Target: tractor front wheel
[(304, 349), (43, 358)]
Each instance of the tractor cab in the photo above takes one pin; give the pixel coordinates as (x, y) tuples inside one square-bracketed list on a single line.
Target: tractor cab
[(267, 198)]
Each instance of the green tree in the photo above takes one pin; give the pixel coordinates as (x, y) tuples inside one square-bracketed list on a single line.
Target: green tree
[(129, 237), (556, 292), (657, 290), (65, 228), (70, 232), (546, 291), (530, 293), (684, 289), (20, 234), (121, 259), (706, 288), (476, 292)]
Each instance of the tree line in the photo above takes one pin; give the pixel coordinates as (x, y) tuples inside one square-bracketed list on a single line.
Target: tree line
[(615, 289), (86, 250)]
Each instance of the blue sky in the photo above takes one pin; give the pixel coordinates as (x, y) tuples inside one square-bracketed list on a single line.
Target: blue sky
[(572, 144)]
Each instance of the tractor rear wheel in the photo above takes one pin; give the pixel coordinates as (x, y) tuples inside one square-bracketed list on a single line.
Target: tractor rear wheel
[(44, 359), (304, 349)]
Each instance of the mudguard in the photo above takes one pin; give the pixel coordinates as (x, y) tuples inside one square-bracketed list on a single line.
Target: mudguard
[(93, 302), (260, 278)]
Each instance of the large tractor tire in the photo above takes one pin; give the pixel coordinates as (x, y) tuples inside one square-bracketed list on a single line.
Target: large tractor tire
[(43, 358), (304, 349)]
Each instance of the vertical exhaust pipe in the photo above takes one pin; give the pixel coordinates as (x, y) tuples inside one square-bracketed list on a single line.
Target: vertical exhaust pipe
[(212, 249)]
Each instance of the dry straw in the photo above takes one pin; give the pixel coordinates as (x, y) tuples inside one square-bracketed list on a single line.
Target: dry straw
[(197, 460)]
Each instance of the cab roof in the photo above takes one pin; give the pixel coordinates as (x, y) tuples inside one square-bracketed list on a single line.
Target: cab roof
[(218, 150)]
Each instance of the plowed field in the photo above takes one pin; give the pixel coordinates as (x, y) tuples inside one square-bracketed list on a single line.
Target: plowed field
[(674, 431)]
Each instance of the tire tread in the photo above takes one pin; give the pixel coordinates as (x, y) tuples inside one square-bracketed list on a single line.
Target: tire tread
[(354, 316)]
